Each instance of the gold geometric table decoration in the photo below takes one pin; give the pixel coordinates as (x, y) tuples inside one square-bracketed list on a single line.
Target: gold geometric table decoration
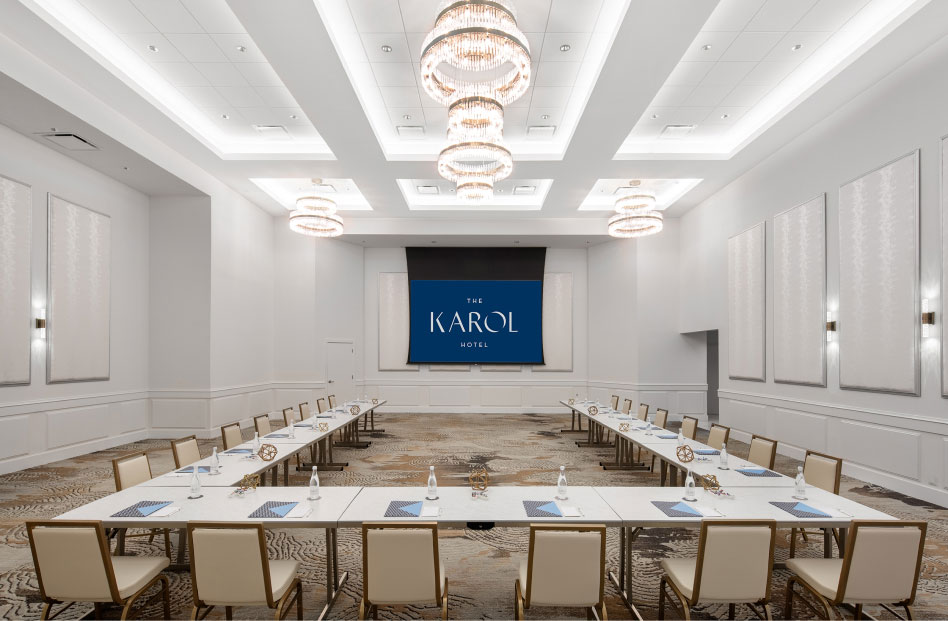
[(354, 410), (267, 452), (324, 426), (685, 453), (479, 479), (593, 410), (249, 482), (710, 482), (623, 426)]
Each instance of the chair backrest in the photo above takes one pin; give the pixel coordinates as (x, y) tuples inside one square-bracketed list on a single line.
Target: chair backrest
[(689, 427), (566, 565), (262, 424), (304, 410), (643, 411), (735, 560), (400, 562), (231, 436), (718, 436), (627, 406), (130, 470), (332, 401), (615, 402), (289, 416), (661, 417), (763, 451), (185, 451), (882, 562), (72, 561), (229, 564), (321, 405), (822, 471)]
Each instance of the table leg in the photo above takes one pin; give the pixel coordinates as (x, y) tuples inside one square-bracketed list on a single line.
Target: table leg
[(182, 546), (120, 542), (625, 570), (663, 469), (333, 582)]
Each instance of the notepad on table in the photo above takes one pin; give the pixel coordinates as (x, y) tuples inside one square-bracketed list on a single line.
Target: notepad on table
[(677, 509), (190, 469), (144, 508), (276, 509), (667, 436), (707, 452), (801, 510), (239, 451), (757, 472), (277, 435)]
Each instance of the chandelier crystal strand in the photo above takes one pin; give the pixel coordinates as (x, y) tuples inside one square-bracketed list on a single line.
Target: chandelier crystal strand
[(476, 119), (315, 216), (636, 224), (637, 202)]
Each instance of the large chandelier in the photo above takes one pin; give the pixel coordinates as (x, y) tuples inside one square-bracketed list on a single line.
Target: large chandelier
[(316, 216), (636, 216)]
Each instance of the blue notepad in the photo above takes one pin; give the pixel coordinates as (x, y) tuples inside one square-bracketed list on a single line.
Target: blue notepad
[(541, 508), (800, 510), (677, 509), (143, 508), (308, 425), (277, 435), (273, 509), (707, 452), (404, 508), (239, 451), (201, 469), (667, 436), (757, 472)]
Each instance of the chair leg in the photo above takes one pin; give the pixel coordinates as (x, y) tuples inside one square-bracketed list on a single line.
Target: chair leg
[(858, 613), (362, 609), (793, 542), (168, 543), (909, 613), (518, 597), (730, 611), (788, 601), (601, 611), (228, 612), (590, 614), (195, 612), (46, 608), (444, 601), (661, 599)]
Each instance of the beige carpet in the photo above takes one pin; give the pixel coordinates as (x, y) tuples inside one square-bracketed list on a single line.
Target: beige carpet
[(481, 566)]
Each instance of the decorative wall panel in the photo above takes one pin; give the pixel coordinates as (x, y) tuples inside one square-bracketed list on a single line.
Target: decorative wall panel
[(79, 293), (940, 319), (800, 294), (394, 322), (878, 279), (557, 322), (16, 205), (746, 291)]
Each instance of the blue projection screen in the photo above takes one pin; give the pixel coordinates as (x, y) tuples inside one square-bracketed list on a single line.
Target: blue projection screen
[(476, 321)]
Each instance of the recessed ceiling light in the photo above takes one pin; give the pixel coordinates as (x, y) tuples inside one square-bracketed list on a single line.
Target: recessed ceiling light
[(725, 115), (225, 116), (654, 116), (125, 168), (152, 48), (796, 47), (407, 117), (294, 117), (706, 47), (545, 117), (241, 48), (386, 48), (565, 47)]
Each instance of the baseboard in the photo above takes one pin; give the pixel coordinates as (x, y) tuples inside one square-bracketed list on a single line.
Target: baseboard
[(22, 462)]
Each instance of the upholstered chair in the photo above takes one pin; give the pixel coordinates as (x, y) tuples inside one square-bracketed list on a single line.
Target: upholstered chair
[(880, 566), (627, 406), (565, 567), (321, 405), (734, 566), (332, 401), (689, 427), (261, 424), (231, 435), (615, 402), (401, 565), (305, 412), (73, 564), (822, 471), (129, 471), (718, 436), (763, 451), (230, 567), (185, 451), (661, 418), (643, 411), (289, 417)]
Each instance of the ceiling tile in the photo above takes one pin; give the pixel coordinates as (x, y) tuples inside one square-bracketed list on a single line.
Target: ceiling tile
[(397, 115), (672, 95), (718, 42), (221, 74), (377, 15), (572, 16), (203, 96), (259, 74), (727, 73), (769, 73), (416, 15), (437, 120), (241, 96), (556, 74), (169, 16), (536, 114), (288, 114), (214, 16), (262, 116), (524, 101), (181, 74), (683, 116), (550, 96), (751, 46), (809, 40), (830, 15), (139, 42), (277, 96), (374, 42), (577, 42), (121, 16), (746, 95), (400, 97), (707, 96), (198, 48), (426, 100), (732, 15), (733, 115), (688, 73), (535, 41), (228, 43), (415, 41), (780, 15), (395, 74)]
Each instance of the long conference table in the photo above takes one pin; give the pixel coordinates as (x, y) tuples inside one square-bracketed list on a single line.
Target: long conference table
[(628, 508)]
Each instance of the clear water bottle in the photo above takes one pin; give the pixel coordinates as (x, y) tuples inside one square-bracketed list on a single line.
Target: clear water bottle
[(291, 430), (195, 484), (314, 486), (432, 485), (648, 425), (799, 485), (681, 438), (314, 421), (723, 463), (561, 484), (256, 442), (690, 488), (215, 462)]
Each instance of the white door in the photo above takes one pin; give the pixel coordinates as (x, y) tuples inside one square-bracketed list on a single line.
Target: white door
[(340, 370)]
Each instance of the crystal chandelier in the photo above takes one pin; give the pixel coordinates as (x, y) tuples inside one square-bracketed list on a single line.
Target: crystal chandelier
[(316, 216), (635, 216)]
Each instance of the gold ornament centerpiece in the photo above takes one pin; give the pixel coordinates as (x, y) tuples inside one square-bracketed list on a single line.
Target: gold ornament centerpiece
[(324, 426), (623, 426), (354, 410), (710, 482), (249, 482), (685, 453), (267, 452), (571, 401), (593, 410), (375, 401), (479, 479)]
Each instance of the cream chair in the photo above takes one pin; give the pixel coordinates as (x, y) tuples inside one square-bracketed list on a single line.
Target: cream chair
[(229, 567), (880, 566), (305, 412), (185, 451), (321, 405), (689, 427), (73, 564), (332, 401), (129, 471), (615, 402), (231, 435), (661, 418), (289, 417), (734, 566), (822, 471), (627, 406), (718, 436), (565, 566), (763, 451), (401, 565), (262, 424), (643, 411)]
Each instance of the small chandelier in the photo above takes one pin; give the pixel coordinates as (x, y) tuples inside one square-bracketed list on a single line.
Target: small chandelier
[(475, 167), (635, 216), (315, 216)]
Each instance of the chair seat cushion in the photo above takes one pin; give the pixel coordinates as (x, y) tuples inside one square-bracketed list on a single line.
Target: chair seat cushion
[(681, 572), (282, 574), (134, 572), (400, 602), (820, 573), (534, 601)]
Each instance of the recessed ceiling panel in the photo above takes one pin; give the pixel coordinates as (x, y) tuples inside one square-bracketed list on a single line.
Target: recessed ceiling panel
[(286, 191), (509, 195), (603, 195)]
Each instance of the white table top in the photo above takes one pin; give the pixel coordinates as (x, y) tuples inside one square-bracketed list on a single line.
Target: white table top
[(218, 505), (233, 468), (634, 506), (503, 506), (336, 418)]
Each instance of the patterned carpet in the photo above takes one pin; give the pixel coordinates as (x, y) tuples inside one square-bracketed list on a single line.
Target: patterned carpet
[(481, 565)]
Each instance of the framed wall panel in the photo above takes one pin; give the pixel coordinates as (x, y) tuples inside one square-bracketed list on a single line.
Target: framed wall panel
[(879, 320), (79, 293), (16, 206), (557, 323), (746, 301), (800, 294), (940, 320), (394, 322)]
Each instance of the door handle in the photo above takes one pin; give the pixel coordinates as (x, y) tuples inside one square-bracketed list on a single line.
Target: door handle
[(331, 381)]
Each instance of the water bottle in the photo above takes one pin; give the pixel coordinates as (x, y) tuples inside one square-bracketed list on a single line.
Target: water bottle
[(195, 484), (215, 462), (432, 485), (291, 430), (681, 438), (256, 442), (561, 484), (315, 422), (648, 425), (723, 464), (690, 488), (799, 485), (314, 486)]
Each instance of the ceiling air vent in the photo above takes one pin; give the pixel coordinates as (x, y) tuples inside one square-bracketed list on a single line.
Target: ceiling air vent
[(524, 190), (677, 131), (272, 131), (541, 131), (68, 141), (427, 189), (416, 132)]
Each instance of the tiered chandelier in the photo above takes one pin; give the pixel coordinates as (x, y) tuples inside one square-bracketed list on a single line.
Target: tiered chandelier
[(316, 216), (636, 216), (475, 61)]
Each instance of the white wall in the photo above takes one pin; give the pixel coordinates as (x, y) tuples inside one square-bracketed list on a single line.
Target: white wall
[(39, 422), (898, 441)]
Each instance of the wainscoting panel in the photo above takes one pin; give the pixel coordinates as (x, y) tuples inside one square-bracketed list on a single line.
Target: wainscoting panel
[(16, 304), (14, 436), (693, 402), (180, 413), (449, 395), (747, 288), (878, 280), (798, 428), (128, 416), (404, 395), (500, 396), (749, 417), (232, 408), (799, 295), (886, 448), (75, 425)]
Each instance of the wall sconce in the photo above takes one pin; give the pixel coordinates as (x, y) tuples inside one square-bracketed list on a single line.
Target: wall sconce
[(928, 319), (40, 323), (830, 327)]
